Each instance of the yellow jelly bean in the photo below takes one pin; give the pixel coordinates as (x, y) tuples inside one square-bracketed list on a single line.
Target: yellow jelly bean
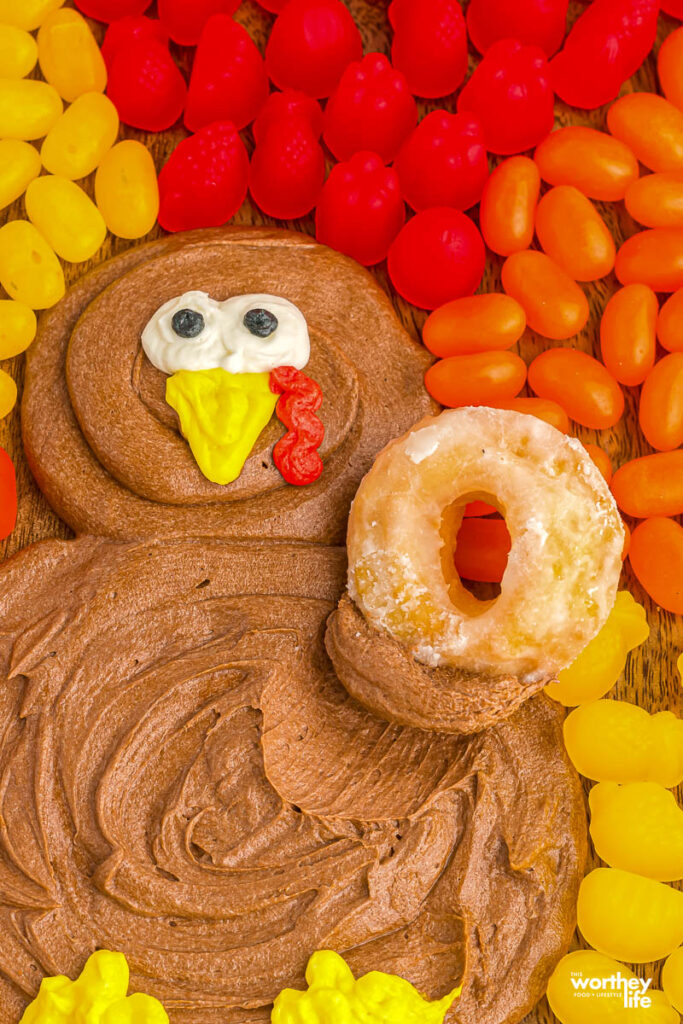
[(18, 52), (29, 270), (638, 827), (17, 328), (8, 394), (602, 661), (629, 917), (28, 108), (126, 190), (335, 997), (81, 137), (19, 165), (614, 741), (70, 59), (28, 14), (672, 978), (66, 217), (589, 988)]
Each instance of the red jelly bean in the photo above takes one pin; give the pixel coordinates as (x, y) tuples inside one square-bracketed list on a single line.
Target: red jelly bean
[(429, 45), (229, 80), (656, 557), (580, 384), (371, 109), (288, 164), (8, 495), (204, 181), (360, 210), (111, 10), (146, 86), (479, 508), (482, 550), (132, 29), (534, 22), (296, 454), (310, 45), (184, 21), (439, 255), (485, 378), (661, 404), (511, 94), (443, 162)]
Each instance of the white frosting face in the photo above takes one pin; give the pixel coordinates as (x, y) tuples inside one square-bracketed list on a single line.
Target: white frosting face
[(221, 337)]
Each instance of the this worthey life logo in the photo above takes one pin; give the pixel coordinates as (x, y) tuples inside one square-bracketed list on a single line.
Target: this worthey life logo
[(633, 991)]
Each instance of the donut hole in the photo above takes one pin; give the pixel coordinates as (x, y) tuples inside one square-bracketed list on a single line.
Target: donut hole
[(475, 550)]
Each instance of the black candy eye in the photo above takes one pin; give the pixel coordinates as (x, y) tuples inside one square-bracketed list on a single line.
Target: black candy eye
[(260, 322), (187, 323)]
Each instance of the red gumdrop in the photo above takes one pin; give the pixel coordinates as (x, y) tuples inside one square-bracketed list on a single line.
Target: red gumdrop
[(443, 162), (184, 21), (310, 44), (285, 105), (274, 6), (510, 93), (204, 181), (111, 10), (228, 80), (8, 495), (360, 210), (371, 109), (133, 28), (145, 86), (674, 8), (534, 22), (439, 255), (288, 164), (430, 45)]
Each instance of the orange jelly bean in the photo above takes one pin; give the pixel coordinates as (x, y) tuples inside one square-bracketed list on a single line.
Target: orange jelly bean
[(661, 404), (480, 379), (656, 557), (482, 550), (651, 127), (506, 211), (650, 486), (476, 323), (628, 339), (670, 67), (653, 257), (670, 323), (554, 304), (627, 540), (596, 163), (580, 384), (572, 232), (541, 408), (600, 458), (656, 200)]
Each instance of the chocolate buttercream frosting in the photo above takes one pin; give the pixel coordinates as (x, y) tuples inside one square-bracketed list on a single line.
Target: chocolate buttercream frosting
[(183, 778), (106, 448)]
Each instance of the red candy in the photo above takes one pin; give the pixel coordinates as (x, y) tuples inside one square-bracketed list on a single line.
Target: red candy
[(110, 10), (371, 109), (131, 29), (310, 45), (511, 94), (360, 211), (430, 45), (274, 6), (606, 46), (296, 454), (146, 86), (674, 8), (8, 495), (439, 255), (443, 162), (288, 163), (185, 20), (229, 80), (535, 22), (204, 181)]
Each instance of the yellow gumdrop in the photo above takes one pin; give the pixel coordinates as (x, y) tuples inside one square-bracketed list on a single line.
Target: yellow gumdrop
[(126, 190), (28, 108), (18, 51), (135, 1009), (629, 917), (28, 14), (17, 327), (631, 619), (589, 988), (614, 741), (672, 978), (29, 270), (70, 59), (66, 217), (638, 827), (8, 394), (19, 165), (79, 140)]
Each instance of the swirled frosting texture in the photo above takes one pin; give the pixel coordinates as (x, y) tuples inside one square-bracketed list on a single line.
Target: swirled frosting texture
[(183, 779)]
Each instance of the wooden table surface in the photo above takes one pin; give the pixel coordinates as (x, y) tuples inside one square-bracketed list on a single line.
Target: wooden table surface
[(651, 679)]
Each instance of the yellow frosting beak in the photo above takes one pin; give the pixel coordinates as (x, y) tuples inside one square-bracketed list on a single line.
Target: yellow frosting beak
[(221, 416)]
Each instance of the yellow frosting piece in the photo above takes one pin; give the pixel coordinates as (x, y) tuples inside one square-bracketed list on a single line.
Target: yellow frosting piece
[(335, 997), (98, 996), (221, 416)]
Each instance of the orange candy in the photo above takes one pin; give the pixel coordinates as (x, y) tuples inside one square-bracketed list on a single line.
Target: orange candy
[(572, 232), (596, 163), (670, 67), (651, 127), (476, 323), (661, 404), (506, 211), (580, 384), (656, 200), (481, 379), (554, 304), (628, 338), (650, 486), (656, 557), (670, 323), (600, 458), (541, 408), (653, 257), (482, 550)]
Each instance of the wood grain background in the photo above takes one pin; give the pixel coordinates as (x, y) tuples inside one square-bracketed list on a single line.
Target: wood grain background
[(651, 678)]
